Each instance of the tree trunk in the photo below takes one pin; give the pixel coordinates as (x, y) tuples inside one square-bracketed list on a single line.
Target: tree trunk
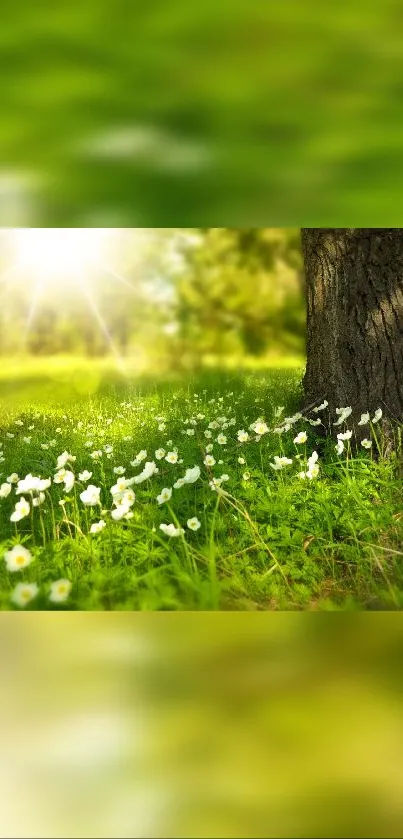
[(354, 279)]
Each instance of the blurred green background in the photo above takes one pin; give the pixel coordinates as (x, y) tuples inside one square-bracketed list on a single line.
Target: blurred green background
[(201, 726), (151, 299), (130, 113)]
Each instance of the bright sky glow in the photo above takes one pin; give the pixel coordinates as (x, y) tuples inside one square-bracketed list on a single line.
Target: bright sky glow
[(59, 255)]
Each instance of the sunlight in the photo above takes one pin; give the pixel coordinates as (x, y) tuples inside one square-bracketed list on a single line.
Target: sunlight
[(59, 255)]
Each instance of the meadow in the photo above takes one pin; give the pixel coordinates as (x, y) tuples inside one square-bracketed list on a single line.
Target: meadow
[(207, 492)]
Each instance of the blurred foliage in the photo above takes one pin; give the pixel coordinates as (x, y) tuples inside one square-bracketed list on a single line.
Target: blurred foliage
[(123, 113), (169, 297)]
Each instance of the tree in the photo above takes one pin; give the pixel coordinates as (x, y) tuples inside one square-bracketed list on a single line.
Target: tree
[(354, 280)]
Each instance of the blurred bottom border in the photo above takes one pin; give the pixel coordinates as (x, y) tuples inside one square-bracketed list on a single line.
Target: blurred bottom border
[(201, 724)]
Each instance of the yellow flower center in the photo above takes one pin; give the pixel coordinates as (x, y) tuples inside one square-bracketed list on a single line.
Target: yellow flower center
[(20, 560)]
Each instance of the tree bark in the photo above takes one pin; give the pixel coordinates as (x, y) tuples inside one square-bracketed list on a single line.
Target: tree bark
[(354, 281)]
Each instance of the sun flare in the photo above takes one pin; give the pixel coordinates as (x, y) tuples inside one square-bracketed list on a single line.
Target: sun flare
[(59, 255)]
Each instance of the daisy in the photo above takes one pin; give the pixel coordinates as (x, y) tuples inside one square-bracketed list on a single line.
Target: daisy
[(193, 524), (22, 509), (165, 495), (24, 593), (59, 591), (172, 457), (171, 530), (97, 526), (85, 476), (18, 558), (91, 496)]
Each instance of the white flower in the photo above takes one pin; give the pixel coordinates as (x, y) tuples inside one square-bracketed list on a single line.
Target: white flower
[(171, 530), (246, 476), (190, 432), (321, 407), (59, 477), (59, 591), (172, 457), (13, 478), (260, 428), (347, 435), (300, 438), (91, 496), (38, 499), (121, 511), (313, 466), (119, 470), (209, 448), (366, 443), (193, 524), (179, 483), (242, 461), (32, 484), (119, 487), (343, 413), (149, 470), (96, 455), (165, 495), (69, 481), (128, 498), (63, 459), (27, 440), (208, 434), (221, 439), (10, 435), (97, 526), (22, 509), (315, 422), (214, 424), (18, 558), (280, 462), (85, 476), (224, 477), (340, 447), (5, 490), (192, 475), (159, 454), (209, 460), (162, 426), (377, 416), (278, 411), (18, 422), (24, 593), (139, 458), (364, 419)]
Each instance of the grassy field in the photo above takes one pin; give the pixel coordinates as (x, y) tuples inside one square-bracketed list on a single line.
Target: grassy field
[(237, 533)]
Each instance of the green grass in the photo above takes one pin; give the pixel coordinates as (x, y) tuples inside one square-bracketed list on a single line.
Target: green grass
[(266, 541)]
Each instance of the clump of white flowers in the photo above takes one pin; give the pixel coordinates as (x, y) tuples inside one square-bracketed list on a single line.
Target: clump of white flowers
[(313, 468)]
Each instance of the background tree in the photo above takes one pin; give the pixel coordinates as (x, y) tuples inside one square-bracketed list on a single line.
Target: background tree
[(354, 279)]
